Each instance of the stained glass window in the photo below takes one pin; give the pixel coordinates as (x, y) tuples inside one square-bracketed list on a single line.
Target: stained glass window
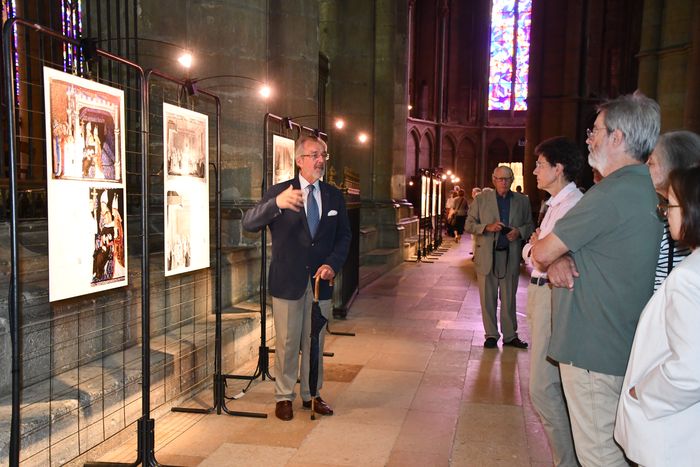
[(510, 54), (71, 26)]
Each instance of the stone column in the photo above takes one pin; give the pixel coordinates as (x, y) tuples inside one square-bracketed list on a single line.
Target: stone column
[(691, 117)]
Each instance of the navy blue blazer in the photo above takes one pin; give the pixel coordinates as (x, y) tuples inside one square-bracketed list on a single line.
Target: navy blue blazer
[(295, 255)]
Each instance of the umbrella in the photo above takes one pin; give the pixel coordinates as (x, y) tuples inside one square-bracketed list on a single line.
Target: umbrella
[(318, 321)]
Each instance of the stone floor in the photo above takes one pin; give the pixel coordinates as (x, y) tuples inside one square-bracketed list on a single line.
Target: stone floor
[(414, 387)]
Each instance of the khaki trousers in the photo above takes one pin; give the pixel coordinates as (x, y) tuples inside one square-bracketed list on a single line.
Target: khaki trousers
[(546, 392), (293, 332), (592, 399)]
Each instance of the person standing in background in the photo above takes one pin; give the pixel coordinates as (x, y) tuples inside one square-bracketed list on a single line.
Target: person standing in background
[(499, 219)]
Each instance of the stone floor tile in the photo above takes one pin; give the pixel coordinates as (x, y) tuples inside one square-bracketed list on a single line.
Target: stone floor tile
[(403, 361), (427, 432), (417, 459), (234, 455), (347, 444)]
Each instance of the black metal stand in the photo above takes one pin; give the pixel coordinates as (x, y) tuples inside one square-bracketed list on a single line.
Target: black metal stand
[(146, 425), (219, 379)]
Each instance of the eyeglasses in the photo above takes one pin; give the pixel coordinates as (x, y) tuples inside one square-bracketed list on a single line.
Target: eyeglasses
[(662, 209), (324, 155), (539, 164), (503, 179), (590, 132)]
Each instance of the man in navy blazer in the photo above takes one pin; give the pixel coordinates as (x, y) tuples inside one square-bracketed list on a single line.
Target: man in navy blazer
[(302, 249)]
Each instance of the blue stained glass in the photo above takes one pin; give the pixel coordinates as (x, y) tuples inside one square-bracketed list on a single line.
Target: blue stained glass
[(509, 59)]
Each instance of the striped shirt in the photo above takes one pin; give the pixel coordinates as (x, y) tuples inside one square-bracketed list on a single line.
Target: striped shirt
[(663, 267)]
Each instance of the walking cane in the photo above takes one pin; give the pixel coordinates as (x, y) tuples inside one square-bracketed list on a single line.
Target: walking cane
[(318, 321)]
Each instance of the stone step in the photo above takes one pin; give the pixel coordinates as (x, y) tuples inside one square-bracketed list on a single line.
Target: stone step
[(70, 405), (66, 412)]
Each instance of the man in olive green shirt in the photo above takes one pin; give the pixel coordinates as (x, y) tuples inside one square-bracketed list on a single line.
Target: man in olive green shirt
[(609, 240)]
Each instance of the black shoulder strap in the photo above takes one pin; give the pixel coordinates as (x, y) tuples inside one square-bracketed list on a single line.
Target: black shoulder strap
[(671, 249)]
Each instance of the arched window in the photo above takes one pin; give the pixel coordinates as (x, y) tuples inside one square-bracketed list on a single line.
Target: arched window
[(510, 54)]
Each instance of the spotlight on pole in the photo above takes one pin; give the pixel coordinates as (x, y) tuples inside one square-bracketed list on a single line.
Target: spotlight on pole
[(185, 59)]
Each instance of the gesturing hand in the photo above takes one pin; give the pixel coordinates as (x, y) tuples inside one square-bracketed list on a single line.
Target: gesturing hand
[(290, 199)]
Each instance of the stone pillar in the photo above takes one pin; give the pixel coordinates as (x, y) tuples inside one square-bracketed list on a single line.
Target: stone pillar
[(443, 17), (390, 106), (691, 117), (649, 44)]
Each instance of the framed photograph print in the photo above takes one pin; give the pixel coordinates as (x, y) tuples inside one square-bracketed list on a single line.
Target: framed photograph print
[(86, 192), (186, 190), (282, 159)]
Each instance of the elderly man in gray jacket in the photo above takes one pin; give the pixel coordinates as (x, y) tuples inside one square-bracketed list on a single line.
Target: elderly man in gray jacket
[(499, 220)]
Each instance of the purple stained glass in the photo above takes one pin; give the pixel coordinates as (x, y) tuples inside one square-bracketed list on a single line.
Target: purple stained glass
[(509, 59)]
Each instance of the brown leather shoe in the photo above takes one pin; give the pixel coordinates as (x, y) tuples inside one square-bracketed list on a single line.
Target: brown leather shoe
[(320, 407), (284, 411)]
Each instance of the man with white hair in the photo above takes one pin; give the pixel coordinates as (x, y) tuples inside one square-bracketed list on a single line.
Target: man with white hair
[(310, 238), (499, 220), (611, 240)]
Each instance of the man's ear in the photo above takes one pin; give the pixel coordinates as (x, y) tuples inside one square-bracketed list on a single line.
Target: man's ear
[(617, 137)]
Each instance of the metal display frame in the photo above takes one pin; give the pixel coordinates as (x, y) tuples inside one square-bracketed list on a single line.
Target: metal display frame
[(145, 424), (219, 379)]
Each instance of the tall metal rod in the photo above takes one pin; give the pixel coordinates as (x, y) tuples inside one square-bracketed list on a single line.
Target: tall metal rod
[(14, 272)]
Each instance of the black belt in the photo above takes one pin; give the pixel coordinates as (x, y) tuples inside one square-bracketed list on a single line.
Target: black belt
[(539, 280)]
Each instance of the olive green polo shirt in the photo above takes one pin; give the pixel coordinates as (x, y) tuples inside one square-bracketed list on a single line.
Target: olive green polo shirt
[(613, 235)]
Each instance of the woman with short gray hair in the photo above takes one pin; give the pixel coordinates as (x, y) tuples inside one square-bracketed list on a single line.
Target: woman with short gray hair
[(673, 150)]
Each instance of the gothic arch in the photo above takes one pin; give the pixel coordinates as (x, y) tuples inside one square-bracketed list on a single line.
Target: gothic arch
[(465, 164), (412, 147), (497, 152), (518, 153), (427, 148), (448, 157)]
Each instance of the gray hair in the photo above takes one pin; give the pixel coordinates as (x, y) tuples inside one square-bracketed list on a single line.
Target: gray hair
[(638, 118), (505, 167), (679, 149), (300, 145)]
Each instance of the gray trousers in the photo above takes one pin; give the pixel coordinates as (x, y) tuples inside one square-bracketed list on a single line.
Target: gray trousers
[(293, 332), (546, 392), (501, 282)]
